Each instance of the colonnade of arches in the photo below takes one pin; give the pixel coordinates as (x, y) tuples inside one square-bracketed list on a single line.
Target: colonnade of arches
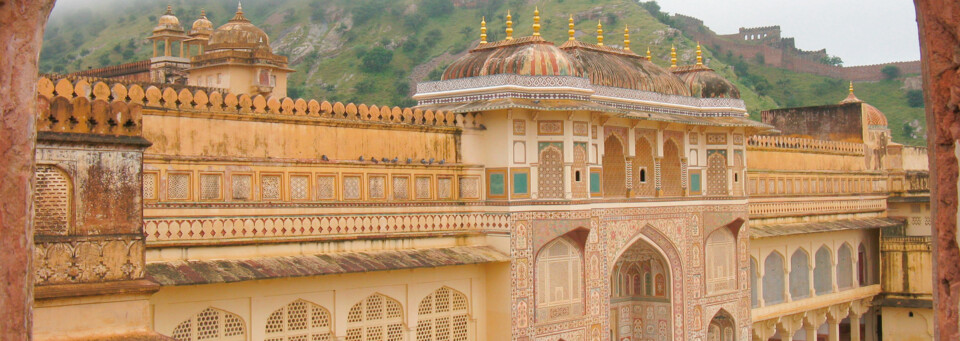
[(824, 272)]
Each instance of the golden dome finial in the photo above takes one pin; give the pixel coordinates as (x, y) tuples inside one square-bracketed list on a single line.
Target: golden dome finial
[(699, 55), (626, 37), (570, 30), (203, 12), (509, 26), (851, 87), (649, 56), (239, 7), (483, 30), (599, 33), (673, 56), (169, 10), (536, 21)]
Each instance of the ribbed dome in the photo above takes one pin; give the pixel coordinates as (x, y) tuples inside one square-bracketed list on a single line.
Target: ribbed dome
[(705, 83), (607, 66), (168, 21), (202, 25), (238, 33), (874, 116), (527, 56)]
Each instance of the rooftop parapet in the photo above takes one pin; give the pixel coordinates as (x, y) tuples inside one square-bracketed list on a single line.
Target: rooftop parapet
[(128, 100), (797, 144)]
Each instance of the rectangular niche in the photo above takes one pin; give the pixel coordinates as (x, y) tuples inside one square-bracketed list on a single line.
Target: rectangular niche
[(520, 183), (519, 152)]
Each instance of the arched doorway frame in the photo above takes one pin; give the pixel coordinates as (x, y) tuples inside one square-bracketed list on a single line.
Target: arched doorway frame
[(668, 251)]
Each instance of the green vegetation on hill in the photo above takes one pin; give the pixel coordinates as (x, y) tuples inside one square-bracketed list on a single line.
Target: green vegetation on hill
[(375, 51)]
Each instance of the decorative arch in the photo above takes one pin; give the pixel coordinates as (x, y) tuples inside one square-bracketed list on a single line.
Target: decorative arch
[(52, 201), (823, 271), (671, 170), (773, 279), (211, 324), (550, 172), (299, 320), (722, 327), (443, 315), (644, 179), (614, 167), (559, 279), (721, 261), (673, 272), (375, 317), (800, 274), (845, 266)]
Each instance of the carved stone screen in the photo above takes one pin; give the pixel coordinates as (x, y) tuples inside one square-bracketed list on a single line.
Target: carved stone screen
[(299, 320), (550, 179), (211, 324), (643, 167), (51, 201), (443, 316), (377, 317)]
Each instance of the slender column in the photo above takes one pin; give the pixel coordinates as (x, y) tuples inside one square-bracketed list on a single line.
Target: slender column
[(834, 329), (811, 282), (811, 332), (166, 48), (154, 48), (854, 327), (181, 49)]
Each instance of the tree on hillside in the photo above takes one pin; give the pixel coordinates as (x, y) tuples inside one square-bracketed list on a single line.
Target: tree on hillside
[(831, 60), (377, 59), (890, 72), (437, 8), (915, 98)]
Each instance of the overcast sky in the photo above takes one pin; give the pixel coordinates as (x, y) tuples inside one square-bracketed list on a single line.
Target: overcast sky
[(858, 31)]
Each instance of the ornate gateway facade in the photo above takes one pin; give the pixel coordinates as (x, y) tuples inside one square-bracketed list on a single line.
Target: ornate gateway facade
[(537, 192)]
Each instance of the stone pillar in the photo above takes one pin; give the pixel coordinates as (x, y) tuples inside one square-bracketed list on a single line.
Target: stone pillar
[(181, 49), (154, 48), (811, 261), (938, 28), (21, 34), (833, 328), (835, 314), (854, 327), (166, 48), (812, 320)]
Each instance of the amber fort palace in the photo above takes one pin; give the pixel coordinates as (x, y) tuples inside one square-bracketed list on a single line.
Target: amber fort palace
[(537, 192)]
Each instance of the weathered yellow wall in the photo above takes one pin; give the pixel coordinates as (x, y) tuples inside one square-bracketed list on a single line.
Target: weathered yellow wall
[(194, 136), (91, 317), (793, 161), (899, 325), (254, 301)]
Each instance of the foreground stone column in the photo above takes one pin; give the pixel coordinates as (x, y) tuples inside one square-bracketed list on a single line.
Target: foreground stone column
[(21, 33), (854, 327), (939, 24)]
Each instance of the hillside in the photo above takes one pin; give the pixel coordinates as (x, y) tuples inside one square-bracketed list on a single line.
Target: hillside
[(375, 51)]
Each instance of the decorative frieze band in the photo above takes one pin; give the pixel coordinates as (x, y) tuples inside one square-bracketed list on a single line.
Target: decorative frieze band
[(810, 207), (183, 229)]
